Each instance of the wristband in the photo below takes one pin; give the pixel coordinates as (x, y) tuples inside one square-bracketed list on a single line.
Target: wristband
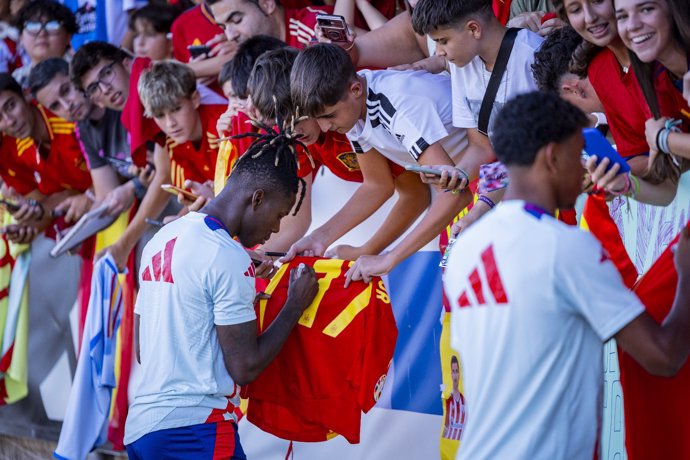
[(658, 145), (487, 201), (671, 126), (636, 186)]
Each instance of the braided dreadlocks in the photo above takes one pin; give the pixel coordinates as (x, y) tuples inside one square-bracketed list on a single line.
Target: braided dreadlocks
[(279, 170)]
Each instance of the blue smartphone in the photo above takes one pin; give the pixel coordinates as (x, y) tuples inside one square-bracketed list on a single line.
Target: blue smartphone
[(596, 144)]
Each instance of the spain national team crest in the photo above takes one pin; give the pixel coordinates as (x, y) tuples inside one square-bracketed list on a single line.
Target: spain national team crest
[(349, 159)]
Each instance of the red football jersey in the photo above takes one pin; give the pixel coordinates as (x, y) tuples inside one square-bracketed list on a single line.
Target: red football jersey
[(195, 26), (334, 363), (61, 166), (334, 151), (15, 170), (197, 164), (141, 129), (656, 409), (300, 25), (624, 104)]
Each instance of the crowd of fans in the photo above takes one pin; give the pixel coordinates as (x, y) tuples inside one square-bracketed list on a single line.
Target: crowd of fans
[(190, 87)]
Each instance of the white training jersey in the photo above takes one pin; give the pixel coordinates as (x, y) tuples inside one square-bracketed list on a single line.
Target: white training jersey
[(470, 81), (406, 113), (193, 276), (532, 302)]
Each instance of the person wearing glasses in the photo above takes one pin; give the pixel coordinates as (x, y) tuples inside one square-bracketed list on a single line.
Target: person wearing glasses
[(103, 139), (103, 72), (46, 28)]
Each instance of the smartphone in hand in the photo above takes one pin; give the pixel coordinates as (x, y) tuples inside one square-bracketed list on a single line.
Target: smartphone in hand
[(333, 27), (596, 144), (198, 50), (423, 169)]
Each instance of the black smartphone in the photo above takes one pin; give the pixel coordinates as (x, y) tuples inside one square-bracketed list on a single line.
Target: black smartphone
[(198, 50)]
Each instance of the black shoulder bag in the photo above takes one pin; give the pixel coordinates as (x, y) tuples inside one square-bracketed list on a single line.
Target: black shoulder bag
[(495, 80)]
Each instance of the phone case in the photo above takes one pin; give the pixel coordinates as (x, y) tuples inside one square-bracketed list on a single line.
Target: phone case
[(596, 144)]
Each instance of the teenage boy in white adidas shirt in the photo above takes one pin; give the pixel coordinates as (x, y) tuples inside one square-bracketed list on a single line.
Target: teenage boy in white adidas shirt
[(533, 301), (405, 117), (469, 36)]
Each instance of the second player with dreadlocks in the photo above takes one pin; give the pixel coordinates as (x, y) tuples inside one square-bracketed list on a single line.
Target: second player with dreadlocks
[(195, 326)]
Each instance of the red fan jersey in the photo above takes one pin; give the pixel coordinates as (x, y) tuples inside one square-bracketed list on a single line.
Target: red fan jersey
[(195, 26), (15, 170), (197, 164), (334, 151), (300, 25), (141, 129), (334, 363), (61, 165), (656, 409)]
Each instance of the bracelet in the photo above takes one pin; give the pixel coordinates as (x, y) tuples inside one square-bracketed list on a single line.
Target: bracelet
[(663, 141), (626, 188), (487, 201), (671, 126), (352, 45), (658, 135), (636, 186)]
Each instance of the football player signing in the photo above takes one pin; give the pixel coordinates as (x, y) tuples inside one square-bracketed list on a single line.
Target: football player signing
[(195, 325)]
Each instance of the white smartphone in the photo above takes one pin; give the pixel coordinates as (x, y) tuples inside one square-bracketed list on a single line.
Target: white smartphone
[(423, 169)]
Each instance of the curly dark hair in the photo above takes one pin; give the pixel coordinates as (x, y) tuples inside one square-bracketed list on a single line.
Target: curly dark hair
[(529, 122), (552, 61)]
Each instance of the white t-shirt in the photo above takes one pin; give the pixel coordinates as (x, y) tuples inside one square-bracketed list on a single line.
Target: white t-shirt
[(406, 113), (471, 80), (533, 300), (193, 277)]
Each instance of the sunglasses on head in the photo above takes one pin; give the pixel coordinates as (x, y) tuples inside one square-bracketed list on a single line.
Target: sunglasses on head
[(35, 27)]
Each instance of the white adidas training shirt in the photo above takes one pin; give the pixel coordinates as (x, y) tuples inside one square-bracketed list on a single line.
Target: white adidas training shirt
[(193, 276), (533, 300), (406, 113)]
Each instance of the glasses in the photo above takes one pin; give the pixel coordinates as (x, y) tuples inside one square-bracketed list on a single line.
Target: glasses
[(105, 77), (35, 27)]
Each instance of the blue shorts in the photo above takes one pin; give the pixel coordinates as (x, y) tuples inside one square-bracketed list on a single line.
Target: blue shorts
[(206, 441)]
